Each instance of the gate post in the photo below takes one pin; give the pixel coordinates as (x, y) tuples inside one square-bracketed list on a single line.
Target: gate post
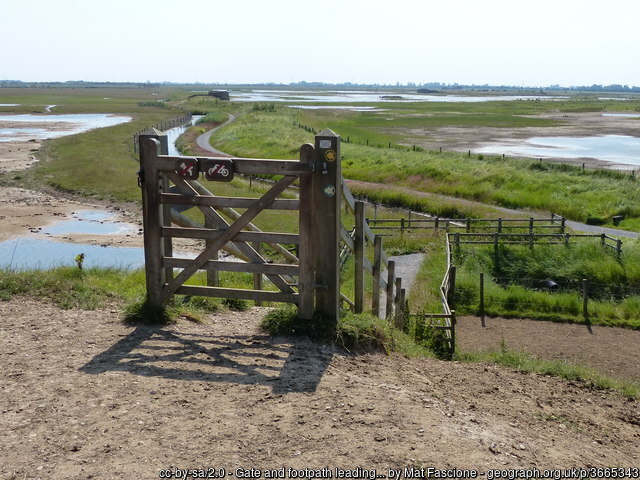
[(327, 193), (154, 247), (306, 259)]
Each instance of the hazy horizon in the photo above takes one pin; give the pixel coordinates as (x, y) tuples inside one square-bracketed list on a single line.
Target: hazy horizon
[(520, 43)]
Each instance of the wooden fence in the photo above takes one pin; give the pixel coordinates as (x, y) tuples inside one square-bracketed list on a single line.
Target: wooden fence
[(385, 285), (499, 225), (174, 122), (311, 279), (532, 239)]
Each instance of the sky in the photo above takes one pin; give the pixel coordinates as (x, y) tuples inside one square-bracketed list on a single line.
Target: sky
[(497, 42)]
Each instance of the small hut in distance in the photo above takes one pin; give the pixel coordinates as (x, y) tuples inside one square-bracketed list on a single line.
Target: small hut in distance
[(221, 94)]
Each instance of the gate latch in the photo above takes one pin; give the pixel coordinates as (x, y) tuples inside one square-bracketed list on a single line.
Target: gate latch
[(140, 177)]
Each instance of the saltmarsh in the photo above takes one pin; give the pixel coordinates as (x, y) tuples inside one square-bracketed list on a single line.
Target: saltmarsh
[(593, 195)]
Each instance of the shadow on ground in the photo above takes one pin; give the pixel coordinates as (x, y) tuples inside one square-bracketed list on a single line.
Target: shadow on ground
[(287, 365)]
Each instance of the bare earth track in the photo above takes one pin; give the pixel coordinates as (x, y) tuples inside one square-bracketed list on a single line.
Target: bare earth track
[(86, 396)]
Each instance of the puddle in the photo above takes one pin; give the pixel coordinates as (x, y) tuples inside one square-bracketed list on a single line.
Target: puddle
[(609, 148), (73, 123), (89, 222), (26, 253)]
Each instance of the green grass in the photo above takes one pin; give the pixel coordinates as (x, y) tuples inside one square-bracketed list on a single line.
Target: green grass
[(514, 183), (514, 281), (69, 287), (524, 362)]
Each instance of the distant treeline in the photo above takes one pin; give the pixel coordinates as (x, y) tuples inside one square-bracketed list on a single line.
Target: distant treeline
[(434, 86)]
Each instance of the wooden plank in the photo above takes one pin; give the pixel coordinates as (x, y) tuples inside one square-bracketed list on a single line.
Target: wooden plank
[(348, 196), (377, 276), (245, 166), (225, 202), (213, 278), (345, 236), (244, 248), (225, 266), (359, 244), (152, 220), (327, 180), (231, 232), (391, 280), (306, 281), (237, 293), (205, 234), (369, 233)]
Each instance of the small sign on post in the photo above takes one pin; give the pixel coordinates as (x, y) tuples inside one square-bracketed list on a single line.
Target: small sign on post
[(327, 192), (218, 170), (188, 168)]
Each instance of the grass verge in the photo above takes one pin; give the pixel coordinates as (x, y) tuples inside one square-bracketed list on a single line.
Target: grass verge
[(525, 362)]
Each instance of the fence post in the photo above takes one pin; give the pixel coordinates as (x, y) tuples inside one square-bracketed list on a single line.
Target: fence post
[(499, 225), (585, 300), (398, 303), (468, 225), (618, 247), (531, 233), (377, 271), (391, 279), (152, 219), (602, 238), (495, 240), (452, 287), (327, 192), (482, 299), (306, 260), (563, 225), (453, 331), (359, 247)]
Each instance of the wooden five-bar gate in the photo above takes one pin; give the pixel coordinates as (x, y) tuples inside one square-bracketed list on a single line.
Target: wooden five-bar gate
[(310, 279)]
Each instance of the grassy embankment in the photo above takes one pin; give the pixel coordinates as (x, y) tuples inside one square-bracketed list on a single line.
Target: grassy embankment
[(592, 195)]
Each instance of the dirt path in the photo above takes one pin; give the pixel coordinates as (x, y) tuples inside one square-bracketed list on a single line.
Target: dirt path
[(85, 396), (612, 351)]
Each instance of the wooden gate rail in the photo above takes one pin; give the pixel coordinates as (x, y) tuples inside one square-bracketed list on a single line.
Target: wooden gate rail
[(311, 280)]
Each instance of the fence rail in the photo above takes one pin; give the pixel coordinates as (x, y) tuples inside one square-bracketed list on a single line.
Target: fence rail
[(388, 286), (161, 127), (499, 225), (532, 238)]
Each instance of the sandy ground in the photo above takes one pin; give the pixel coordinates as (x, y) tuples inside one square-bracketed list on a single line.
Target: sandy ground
[(15, 156), (86, 396), (573, 125)]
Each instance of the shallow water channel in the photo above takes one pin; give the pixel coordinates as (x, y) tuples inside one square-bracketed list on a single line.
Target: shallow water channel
[(40, 251), (70, 124), (618, 149)]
